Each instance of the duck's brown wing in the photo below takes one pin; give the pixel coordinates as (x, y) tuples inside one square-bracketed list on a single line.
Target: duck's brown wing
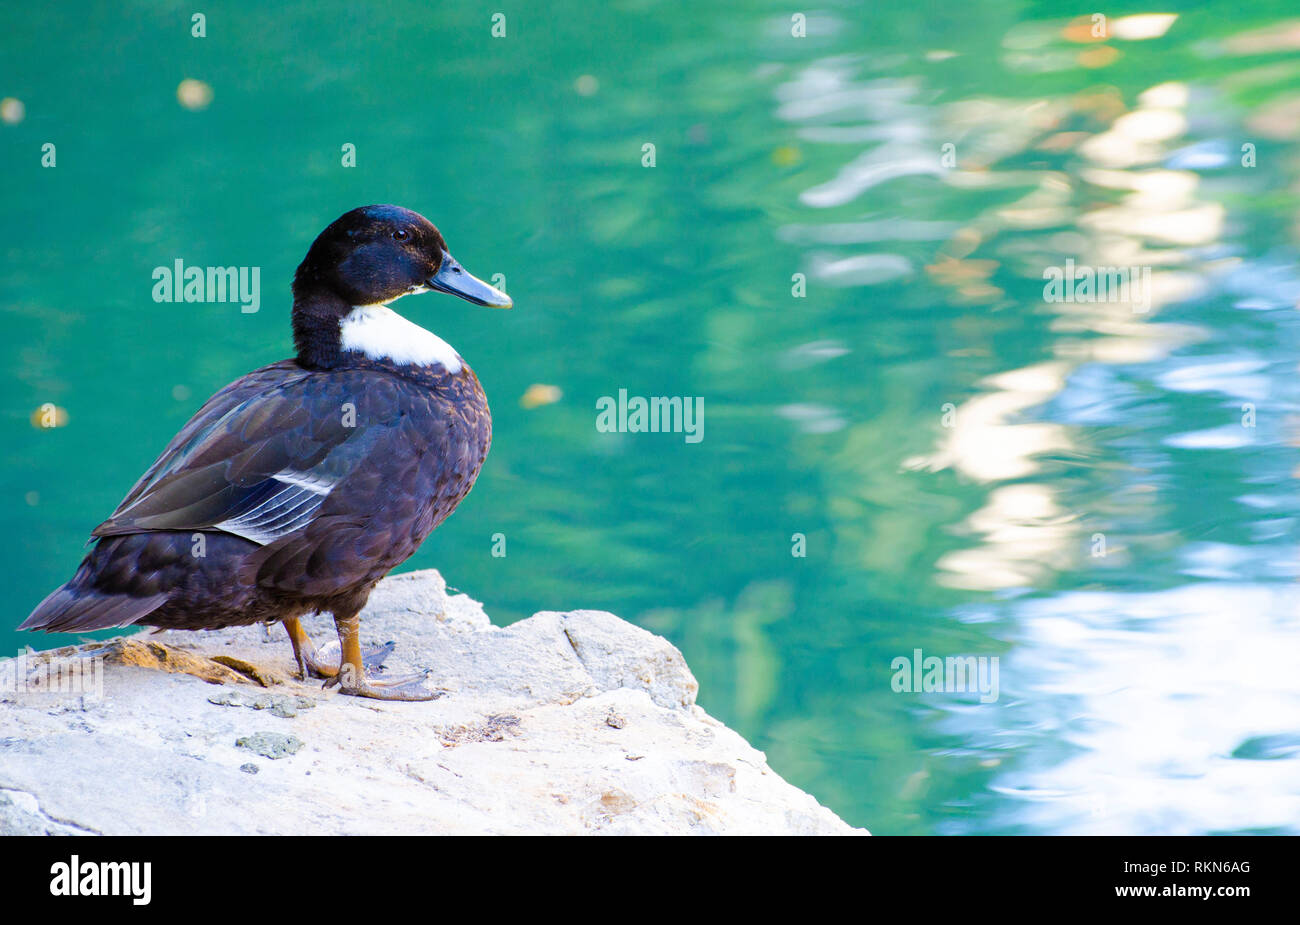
[(259, 458), (339, 475)]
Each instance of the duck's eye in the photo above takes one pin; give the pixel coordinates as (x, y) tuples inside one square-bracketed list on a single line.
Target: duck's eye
[(401, 234)]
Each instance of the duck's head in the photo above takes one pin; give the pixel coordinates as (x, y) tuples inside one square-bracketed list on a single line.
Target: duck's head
[(369, 257)]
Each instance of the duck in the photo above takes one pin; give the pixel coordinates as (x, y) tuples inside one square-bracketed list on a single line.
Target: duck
[(296, 488)]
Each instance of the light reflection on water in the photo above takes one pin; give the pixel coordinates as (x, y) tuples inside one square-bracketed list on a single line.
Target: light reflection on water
[(1154, 690), (1175, 708)]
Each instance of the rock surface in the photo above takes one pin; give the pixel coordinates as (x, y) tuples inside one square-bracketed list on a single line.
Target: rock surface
[(562, 723)]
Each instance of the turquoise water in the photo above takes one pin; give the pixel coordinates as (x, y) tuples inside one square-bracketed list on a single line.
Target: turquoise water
[(974, 470)]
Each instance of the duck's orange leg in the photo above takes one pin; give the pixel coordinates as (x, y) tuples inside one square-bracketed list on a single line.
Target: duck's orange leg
[(352, 679), (308, 659)]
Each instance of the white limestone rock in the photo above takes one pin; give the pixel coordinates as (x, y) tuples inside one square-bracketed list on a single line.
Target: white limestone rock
[(572, 722)]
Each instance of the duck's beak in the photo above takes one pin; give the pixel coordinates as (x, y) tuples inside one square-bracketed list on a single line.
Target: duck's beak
[(452, 277)]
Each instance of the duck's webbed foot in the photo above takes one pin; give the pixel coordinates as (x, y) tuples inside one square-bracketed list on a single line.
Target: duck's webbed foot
[(314, 663), (351, 677), (408, 687)]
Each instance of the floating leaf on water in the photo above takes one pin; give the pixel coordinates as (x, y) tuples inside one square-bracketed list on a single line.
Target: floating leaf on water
[(194, 94), (49, 416), (538, 394), (786, 156), (12, 111), (1084, 30), (1101, 56)]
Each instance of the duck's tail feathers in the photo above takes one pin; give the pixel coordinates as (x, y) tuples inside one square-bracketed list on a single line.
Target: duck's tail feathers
[(70, 609)]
